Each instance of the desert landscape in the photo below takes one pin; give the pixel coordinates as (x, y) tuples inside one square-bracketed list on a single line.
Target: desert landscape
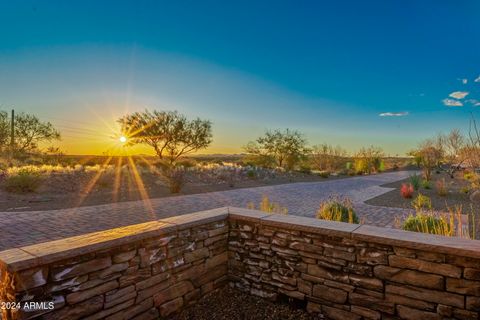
[(239, 160)]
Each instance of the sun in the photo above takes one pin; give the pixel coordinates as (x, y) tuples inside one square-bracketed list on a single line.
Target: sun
[(123, 139)]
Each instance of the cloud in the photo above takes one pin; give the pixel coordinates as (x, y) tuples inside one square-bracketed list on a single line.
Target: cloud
[(477, 80), (474, 102), (464, 81), (393, 114), (458, 94), (452, 103)]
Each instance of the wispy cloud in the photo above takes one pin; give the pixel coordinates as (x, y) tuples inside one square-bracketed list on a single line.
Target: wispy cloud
[(458, 94), (452, 103), (393, 114), (474, 102), (464, 81), (477, 80)]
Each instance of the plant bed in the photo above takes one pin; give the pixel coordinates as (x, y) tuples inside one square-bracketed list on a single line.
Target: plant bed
[(232, 304), (454, 197)]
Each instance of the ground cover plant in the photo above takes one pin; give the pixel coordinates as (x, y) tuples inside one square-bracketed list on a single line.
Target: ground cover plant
[(337, 209)]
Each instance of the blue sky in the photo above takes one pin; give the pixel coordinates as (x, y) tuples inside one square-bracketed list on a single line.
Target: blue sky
[(328, 69)]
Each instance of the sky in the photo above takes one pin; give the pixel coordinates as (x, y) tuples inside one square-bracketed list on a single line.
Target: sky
[(349, 73)]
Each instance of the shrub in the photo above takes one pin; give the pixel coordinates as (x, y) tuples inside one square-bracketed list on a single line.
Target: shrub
[(361, 166), (305, 168), (406, 190), (324, 174), (465, 189), (336, 209), (187, 163), (23, 181), (174, 175), (468, 175), (381, 168), (426, 184), (441, 187), (422, 203), (267, 206), (251, 174), (429, 223), (415, 181)]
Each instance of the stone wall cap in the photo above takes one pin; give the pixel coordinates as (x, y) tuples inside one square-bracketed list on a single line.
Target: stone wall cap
[(246, 214), (48, 252), (16, 259), (190, 220), (419, 241), (324, 227)]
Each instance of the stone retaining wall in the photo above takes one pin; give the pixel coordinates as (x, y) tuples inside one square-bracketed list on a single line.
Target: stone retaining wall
[(137, 272), (152, 270)]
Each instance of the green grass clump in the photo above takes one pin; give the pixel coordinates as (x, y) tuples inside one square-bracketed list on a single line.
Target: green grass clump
[(429, 223), (426, 184), (24, 181), (268, 206), (336, 209), (415, 181), (421, 203)]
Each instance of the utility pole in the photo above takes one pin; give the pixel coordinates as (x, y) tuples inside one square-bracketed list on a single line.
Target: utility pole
[(12, 132)]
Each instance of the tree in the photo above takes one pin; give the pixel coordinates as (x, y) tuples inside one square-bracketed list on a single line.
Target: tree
[(430, 155), (454, 151), (325, 157), (169, 133), (29, 132), (281, 149), (4, 130)]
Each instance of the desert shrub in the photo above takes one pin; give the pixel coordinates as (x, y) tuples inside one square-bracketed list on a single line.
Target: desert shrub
[(174, 175), (186, 163), (324, 174), (361, 166), (415, 181), (429, 223), (406, 190), (23, 181), (381, 167), (251, 174), (337, 209), (422, 203), (368, 160), (305, 168), (465, 189), (348, 166), (426, 184), (176, 179), (468, 175), (268, 206), (441, 186)]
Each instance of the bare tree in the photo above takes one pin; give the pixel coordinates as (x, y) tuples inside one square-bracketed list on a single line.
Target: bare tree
[(430, 154), (327, 158), (454, 145), (169, 133)]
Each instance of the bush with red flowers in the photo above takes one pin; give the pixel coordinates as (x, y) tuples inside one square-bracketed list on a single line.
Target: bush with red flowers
[(406, 190)]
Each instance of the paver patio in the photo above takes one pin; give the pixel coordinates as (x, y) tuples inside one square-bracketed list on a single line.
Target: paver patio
[(303, 199)]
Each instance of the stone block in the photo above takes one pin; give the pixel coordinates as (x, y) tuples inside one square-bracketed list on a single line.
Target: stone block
[(416, 278)]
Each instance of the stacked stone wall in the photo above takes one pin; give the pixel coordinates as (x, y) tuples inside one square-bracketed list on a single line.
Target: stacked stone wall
[(156, 269)]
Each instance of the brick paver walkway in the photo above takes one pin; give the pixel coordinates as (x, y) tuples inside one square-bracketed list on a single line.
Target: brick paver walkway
[(23, 228)]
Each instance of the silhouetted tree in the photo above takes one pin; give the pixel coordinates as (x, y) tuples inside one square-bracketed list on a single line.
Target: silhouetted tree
[(169, 133)]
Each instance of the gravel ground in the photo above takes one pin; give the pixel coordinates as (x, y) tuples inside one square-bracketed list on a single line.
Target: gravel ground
[(455, 196), (231, 304)]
